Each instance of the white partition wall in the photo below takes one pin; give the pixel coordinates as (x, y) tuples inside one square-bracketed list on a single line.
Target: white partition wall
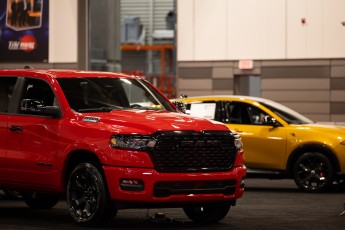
[(304, 29), (256, 29), (334, 28), (185, 30), (260, 29), (63, 31), (210, 30)]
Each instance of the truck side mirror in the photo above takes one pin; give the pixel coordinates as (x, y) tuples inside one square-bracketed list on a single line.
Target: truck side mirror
[(180, 106), (35, 106)]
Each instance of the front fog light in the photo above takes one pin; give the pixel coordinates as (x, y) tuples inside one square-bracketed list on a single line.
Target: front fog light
[(134, 185)]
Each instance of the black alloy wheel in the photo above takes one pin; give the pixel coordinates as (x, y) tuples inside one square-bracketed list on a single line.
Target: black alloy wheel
[(313, 172), (87, 197), (207, 214)]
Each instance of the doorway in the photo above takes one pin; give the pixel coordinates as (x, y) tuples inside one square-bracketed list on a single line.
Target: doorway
[(249, 85)]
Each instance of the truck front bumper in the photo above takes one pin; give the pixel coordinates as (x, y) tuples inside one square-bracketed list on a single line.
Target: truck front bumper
[(151, 187)]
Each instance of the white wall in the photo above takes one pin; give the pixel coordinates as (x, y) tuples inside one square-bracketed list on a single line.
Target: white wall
[(333, 29), (63, 31), (304, 40), (259, 29), (210, 40), (185, 30), (256, 29)]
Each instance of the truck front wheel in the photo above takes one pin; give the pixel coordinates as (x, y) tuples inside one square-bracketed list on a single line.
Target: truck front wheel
[(211, 213), (87, 197)]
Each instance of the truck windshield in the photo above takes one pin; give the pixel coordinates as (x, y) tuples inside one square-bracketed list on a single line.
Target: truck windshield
[(103, 94)]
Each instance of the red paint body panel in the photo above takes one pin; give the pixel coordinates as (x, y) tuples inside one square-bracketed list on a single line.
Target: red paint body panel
[(37, 157), (150, 177)]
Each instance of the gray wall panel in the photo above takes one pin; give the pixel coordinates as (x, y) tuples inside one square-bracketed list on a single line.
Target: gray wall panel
[(306, 107), (317, 117), (296, 72), (337, 95), (315, 88), (338, 117), (297, 96), (338, 108), (195, 64), (222, 84), (338, 83), (201, 72), (338, 71), (223, 72), (280, 63), (200, 84), (294, 84), (223, 92), (191, 93)]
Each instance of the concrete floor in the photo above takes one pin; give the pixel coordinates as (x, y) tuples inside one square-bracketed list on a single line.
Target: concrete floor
[(267, 204)]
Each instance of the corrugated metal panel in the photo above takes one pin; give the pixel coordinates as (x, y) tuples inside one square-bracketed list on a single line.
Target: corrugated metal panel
[(143, 9)]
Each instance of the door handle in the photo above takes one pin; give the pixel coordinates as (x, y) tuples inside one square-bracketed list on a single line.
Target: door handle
[(15, 128), (238, 131)]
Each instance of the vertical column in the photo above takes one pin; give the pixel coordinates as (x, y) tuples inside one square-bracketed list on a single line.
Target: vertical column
[(114, 27)]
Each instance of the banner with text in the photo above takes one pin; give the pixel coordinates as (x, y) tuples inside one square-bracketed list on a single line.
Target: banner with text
[(24, 30)]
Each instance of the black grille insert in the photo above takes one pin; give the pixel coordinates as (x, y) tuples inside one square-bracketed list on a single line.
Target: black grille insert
[(188, 151), (166, 189)]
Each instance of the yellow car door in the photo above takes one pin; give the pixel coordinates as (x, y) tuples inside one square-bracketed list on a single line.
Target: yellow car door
[(264, 146), (264, 142)]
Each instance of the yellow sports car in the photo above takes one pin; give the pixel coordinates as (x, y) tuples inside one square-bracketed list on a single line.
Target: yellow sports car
[(278, 142)]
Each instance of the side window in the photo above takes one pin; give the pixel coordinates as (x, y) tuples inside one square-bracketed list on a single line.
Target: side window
[(239, 113), (38, 90), (258, 116), (6, 91), (242, 113)]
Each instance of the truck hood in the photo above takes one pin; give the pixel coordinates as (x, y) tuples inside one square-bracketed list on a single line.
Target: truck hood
[(147, 121)]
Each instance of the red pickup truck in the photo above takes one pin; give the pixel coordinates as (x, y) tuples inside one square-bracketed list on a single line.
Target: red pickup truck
[(110, 141)]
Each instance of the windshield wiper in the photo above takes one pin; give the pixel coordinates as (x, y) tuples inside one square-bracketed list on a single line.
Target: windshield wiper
[(100, 109), (146, 108)]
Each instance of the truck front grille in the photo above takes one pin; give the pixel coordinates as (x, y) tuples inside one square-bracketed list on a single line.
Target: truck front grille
[(188, 151)]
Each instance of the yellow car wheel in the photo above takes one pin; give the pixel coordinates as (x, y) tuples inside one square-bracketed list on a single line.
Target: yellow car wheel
[(313, 172)]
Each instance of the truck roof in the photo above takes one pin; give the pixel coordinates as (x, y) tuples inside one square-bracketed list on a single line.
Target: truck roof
[(63, 73)]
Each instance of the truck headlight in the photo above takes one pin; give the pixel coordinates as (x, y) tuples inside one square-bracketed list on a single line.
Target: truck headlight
[(136, 142)]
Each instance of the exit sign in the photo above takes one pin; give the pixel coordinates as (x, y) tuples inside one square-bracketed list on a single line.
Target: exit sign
[(245, 64)]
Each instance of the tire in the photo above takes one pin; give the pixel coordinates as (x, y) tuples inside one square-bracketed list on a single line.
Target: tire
[(11, 194), (207, 214), (313, 172), (40, 200), (87, 197)]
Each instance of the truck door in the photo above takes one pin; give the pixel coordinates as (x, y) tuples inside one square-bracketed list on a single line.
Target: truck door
[(33, 139), (6, 90)]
